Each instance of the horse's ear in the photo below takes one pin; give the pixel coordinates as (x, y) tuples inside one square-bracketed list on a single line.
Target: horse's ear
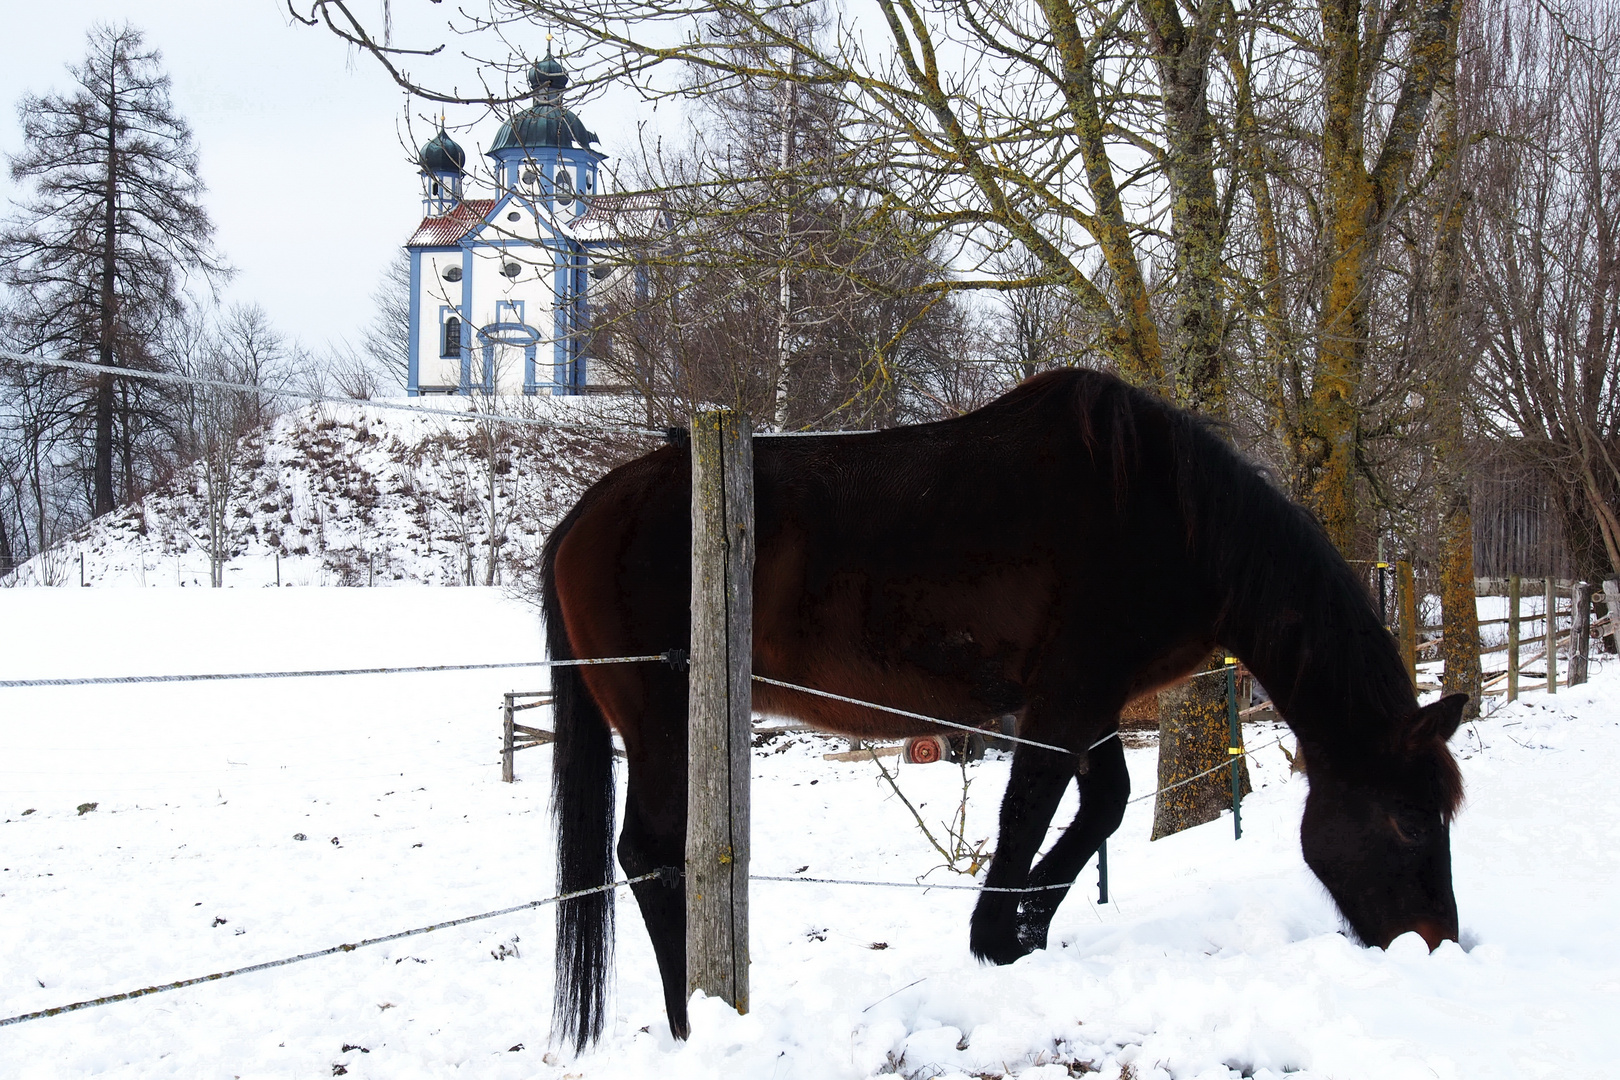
[(1440, 719)]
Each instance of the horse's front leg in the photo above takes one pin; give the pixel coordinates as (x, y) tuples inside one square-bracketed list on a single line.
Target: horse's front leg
[(1033, 790), (1104, 789)]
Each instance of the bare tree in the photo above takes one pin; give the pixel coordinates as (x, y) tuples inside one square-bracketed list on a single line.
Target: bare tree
[(1545, 259), (113, 224), (387, 335)]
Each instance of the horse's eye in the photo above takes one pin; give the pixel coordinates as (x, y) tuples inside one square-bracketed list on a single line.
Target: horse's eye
[(1407, 834)]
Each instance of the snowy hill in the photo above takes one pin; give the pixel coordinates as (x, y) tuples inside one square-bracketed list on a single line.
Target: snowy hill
[(353, 494)]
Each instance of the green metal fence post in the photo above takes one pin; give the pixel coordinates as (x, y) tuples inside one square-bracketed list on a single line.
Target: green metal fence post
[(1102, 872), (1234, 749)]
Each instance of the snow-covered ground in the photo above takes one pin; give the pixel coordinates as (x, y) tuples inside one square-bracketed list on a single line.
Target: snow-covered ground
[(1215, 958)]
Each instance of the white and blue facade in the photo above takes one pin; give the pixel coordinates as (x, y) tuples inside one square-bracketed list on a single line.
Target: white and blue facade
[(499, 297)]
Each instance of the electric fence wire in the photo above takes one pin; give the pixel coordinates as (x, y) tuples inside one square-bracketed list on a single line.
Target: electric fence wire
[(327, 399)]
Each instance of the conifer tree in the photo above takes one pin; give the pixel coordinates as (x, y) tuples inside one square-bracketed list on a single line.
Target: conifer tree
[(98, 250)]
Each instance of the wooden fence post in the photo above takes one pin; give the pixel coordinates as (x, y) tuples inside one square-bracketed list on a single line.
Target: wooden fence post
[(1406, 603), (1580, 632), (1550, 619), (506, 740), (718, 721), (1611, 601), (1513, 638)]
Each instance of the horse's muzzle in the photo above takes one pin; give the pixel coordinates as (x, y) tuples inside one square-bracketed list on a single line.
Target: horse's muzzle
[(1434, 932)]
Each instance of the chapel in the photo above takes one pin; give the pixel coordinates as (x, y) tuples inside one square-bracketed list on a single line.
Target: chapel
[(499, 293)]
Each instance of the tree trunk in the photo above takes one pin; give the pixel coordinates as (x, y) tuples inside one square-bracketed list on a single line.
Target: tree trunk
[(103, 468), (1358, 199), (1459, 610), (1192, 718), (1192, 739)]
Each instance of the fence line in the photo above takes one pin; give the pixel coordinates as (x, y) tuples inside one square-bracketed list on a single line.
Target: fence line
[(909, 884), (325, 399), (672, 657), (667, 873), (129, 995)]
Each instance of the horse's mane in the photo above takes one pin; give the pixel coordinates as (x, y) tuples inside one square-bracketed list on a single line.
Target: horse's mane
[(1289, 603)]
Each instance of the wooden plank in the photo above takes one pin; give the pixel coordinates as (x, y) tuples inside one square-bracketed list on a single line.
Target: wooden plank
[(538, 734), (863, 754), (719, 725)]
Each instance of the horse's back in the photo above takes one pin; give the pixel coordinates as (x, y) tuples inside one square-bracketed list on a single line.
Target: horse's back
[(937, 567)]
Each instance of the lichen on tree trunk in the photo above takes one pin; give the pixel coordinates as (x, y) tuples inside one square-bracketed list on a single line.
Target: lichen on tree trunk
[(1193, 733)]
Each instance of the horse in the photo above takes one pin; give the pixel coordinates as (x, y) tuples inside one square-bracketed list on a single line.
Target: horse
[(1074, 544)]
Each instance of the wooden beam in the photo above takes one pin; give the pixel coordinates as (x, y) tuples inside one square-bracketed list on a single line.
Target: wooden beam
[(719, 726)]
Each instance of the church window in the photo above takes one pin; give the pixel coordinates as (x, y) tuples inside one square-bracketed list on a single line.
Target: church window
[(452, 338), (452, 273), (511, 269)]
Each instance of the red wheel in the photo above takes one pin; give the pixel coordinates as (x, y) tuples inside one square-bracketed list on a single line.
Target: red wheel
[(925, 749)]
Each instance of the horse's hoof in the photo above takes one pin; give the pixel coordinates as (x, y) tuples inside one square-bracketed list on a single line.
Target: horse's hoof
[(1001, 950), (1032, 936)]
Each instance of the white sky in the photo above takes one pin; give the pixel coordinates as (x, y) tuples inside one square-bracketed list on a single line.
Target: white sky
[(309, 183)]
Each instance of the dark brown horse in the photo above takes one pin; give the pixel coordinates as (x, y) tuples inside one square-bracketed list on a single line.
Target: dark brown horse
[(1068, 547)]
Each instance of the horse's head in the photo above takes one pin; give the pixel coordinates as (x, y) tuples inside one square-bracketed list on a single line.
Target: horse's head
[(1380, 839)]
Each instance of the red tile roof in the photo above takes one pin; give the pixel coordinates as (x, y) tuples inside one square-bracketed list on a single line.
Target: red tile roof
[(447, 229)]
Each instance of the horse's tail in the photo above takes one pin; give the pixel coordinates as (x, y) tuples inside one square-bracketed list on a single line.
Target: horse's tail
[(582, 802)]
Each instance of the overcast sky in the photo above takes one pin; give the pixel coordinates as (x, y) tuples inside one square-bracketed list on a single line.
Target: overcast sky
[(308, 182)]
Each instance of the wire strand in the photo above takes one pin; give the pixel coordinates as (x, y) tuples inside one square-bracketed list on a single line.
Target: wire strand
[(112, 680), (129, 995), (324, 399)]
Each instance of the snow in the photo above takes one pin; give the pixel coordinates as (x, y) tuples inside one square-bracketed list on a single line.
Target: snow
[(354, 493), (1214, 958)]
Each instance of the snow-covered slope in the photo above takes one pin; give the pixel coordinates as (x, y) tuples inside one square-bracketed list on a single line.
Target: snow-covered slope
[(354, 495), (241, 822)]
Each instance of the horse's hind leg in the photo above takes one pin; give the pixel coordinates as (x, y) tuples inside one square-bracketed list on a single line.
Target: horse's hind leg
[(1104, 789), (1033, 790), (654, 838)]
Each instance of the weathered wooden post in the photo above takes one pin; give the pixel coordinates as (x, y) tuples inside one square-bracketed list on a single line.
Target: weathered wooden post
[(1550, 611), (718, 720), (1611, 602), (1580, 631), (1513, 638), (507, 739), (1406, 602)]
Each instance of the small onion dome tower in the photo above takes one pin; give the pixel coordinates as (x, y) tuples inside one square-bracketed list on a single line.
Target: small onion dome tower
[(544, 152), (443, 164)]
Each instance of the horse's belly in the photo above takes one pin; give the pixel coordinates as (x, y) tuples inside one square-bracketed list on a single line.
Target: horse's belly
[(954, 645)]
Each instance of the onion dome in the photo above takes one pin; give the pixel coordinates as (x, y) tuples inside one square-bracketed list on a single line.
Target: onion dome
[(546, 123), (547, 74), (442, 155)]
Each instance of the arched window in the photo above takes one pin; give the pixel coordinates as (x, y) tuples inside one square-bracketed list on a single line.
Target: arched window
[(452, 337)]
